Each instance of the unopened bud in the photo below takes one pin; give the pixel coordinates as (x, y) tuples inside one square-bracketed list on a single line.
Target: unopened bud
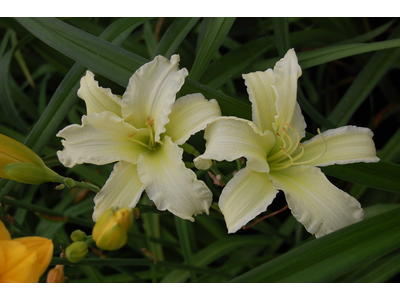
[(56, 275), (30, 173), (110, 231), (76, 251), (78, 235)]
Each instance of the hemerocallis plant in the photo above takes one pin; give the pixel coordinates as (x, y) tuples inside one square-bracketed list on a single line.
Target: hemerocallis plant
[(277, 160), (23, 260), (142, 132)]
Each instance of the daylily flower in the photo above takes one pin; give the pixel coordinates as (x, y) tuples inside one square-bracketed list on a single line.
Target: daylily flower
[(276, 160), (23, 260), (141, 132)]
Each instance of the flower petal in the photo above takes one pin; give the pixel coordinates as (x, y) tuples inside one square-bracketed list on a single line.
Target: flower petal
[(98, 99), (286, 73), (316, 203), (262, 97), (4, 234), (42, 247), (229, 138), (151, 93), (189, 115), (170, 184), (245, 196), (122, 189), (345, 145), (101, 139), (20, 264)]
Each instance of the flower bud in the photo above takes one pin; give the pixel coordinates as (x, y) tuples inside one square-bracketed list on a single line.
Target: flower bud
[(19, 163), (56, 275), (78, 235), (76, 251), (110, 231)]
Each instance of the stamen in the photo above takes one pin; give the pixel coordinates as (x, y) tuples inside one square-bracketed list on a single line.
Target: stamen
[(278, 154), (315, 158), (285, 165), (138, 142), (149, 123)]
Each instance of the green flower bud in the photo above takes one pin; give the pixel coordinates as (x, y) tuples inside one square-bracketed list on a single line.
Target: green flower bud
[(78, 235), (19, 163), (110, 231), (76, 251), (30, 173)]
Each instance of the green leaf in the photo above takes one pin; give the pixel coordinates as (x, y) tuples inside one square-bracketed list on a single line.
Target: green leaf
[(365, 82), (113, 62), (212, 33), (382, 175), (281, 33), (174, 36), (333, 255)]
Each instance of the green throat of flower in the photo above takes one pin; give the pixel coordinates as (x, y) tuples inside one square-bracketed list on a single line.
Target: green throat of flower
[(289, 151), (151, 144)]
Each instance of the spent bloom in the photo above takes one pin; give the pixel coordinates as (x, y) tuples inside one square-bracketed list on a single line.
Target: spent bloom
[(277, 160), (23, 260), (142, 132)]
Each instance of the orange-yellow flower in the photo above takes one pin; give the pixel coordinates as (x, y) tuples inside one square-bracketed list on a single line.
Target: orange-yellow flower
[(23, 260)]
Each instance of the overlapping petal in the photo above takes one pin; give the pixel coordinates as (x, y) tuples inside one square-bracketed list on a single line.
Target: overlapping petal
[(315, 202), (245, 196), (19, 264), (170, 184), (43, 248), (151, 93), (262, 97), (122, 189), (98, 99), (286, 73), (4, 234), (101, 139), (229, 138), (190, 114), (345, 145)]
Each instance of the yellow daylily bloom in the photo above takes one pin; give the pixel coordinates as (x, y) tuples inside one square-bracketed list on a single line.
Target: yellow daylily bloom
[(142, 133), (276, 160), (19, 163), (23, 260)]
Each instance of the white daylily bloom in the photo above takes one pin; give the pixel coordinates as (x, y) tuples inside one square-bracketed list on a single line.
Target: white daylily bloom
[(276, 160), (142, 132)]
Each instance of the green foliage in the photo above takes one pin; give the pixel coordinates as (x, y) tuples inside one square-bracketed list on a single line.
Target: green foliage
[(350, 76)]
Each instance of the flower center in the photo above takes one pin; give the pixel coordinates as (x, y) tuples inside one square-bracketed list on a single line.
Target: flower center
[(289, 151), (151, 142)]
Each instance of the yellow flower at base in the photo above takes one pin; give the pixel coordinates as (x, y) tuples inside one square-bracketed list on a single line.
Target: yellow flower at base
[(23, 260), (110, 231)]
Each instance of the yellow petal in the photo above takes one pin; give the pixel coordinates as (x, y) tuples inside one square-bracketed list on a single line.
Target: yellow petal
[(4, 234), (42, 247), (19, 265)]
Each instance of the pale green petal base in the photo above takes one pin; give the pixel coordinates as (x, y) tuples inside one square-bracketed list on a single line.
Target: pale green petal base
[(315, 202), (229, 138), (345, 145), (122, 189), (245, 196), (170, 184), (101, 139)]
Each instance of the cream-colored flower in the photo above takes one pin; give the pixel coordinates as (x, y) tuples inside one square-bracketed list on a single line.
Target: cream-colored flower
[(142, 132), (276, 160)]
